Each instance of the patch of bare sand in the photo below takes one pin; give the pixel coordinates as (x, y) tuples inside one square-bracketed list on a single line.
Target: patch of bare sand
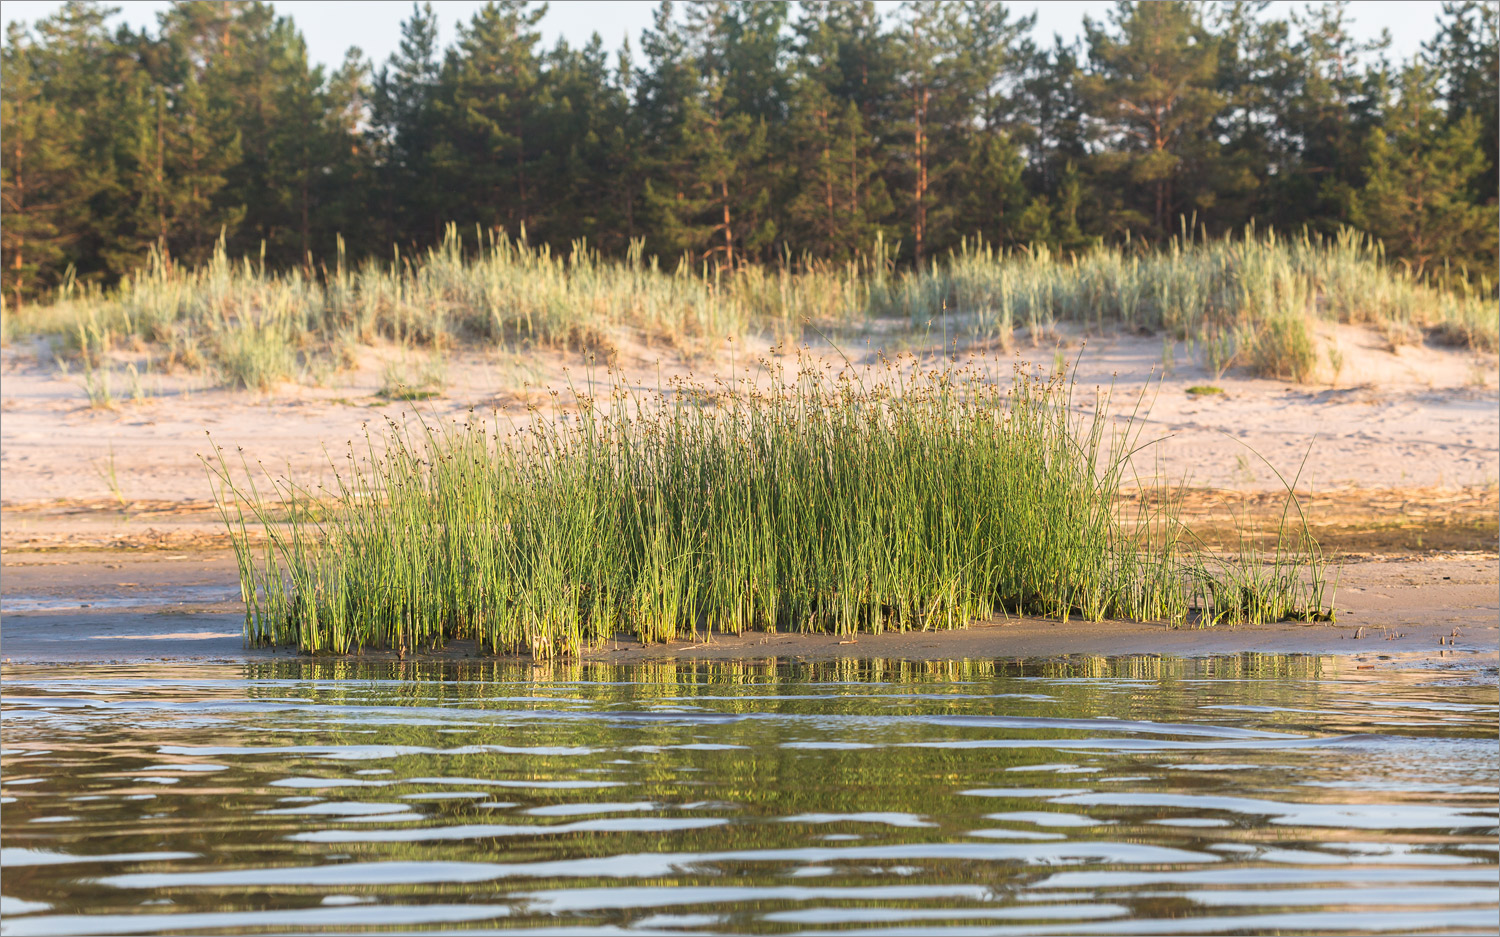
[(1411, 434)]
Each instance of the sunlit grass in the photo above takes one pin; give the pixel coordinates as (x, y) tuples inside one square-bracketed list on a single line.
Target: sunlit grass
[(897, 499), (1248, 301)]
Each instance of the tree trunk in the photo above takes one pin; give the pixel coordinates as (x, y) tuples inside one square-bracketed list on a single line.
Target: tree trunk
[(728, 232), (827, 173), (18, 263), (853, 174), (919, 222), (161, 210), (1163, 197), (521, 170), (305, 252)]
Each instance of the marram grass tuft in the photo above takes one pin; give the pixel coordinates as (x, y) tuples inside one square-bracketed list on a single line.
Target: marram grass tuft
[(1248, 301)]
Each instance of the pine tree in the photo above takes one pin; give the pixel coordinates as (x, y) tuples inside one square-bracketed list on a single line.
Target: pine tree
[(836, 203), (858, 60), (585, 131), (402, 132), (1151, 81), (991, 196), (487, 107), (992, 51), (664, 90), (927, 37), (41, 179), (195, 154), (1418, 198), (299, 147), (1252, 81), (222, 63), (837, 200), (125, 211), (742, 130), (1466, 56), (1065, 230), (720, 207), (345, 181), (76, 63), (1330, 103), (1053, 126), (986, 180), (739, 49), (745, 44), (709, 189)]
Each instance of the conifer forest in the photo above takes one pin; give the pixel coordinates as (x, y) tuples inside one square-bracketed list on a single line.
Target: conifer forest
[(741, 133)]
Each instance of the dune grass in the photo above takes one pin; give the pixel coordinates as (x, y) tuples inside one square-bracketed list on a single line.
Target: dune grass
[(905, 498), (1248, 301)]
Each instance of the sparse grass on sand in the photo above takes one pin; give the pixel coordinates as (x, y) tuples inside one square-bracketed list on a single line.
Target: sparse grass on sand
[(903, 498), (1243, 301)]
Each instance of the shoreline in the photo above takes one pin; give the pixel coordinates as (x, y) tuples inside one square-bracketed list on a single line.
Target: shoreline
[(105, 607)]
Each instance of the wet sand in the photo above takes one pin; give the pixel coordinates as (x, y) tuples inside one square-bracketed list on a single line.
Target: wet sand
[(144, 606)]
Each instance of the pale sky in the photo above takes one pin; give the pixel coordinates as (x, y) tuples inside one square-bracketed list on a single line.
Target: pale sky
[(331, 26)]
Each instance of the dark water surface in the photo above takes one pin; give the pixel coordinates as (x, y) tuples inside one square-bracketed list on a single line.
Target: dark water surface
[(1247, 794)]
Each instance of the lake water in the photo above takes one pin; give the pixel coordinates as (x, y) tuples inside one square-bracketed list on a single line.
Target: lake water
[(1248, 794)]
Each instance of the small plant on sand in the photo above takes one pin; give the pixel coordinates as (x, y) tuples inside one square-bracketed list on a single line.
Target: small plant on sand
[(97, 386), (1220, 347), (1244, 472), (400, 381), (1252, 583), (895, 499), (138, 392), (93, 343), (1336, 361), (1204, 390), (106, 472)]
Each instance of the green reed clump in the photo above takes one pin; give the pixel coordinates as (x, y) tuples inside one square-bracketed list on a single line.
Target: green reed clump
[(918, 500)]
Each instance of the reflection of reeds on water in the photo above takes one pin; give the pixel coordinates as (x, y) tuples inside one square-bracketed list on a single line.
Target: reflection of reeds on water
[(571, 714), (482, 676), (915, 499)]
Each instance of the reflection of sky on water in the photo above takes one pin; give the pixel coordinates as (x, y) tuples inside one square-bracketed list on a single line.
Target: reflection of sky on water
[(1130, 796)]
